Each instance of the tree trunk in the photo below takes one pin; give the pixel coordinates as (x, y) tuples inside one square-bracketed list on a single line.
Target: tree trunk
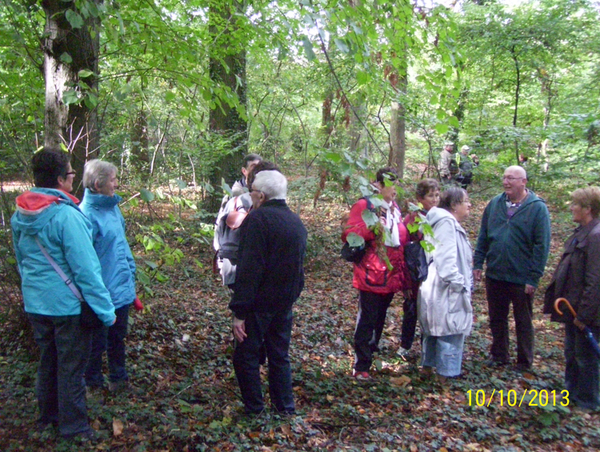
[(517, 92), (227, 69), (71, 95), (397, 154)]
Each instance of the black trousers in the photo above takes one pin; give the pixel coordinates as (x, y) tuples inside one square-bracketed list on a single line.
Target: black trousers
[(409, 322), (500, 296), (271, 330), (582, 375), (372, 309)]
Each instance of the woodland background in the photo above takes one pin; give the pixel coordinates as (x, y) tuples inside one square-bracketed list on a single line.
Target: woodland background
[(175, 93)]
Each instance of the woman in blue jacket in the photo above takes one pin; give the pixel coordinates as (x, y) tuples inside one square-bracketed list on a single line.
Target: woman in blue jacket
[(101, 205), (47, 216)]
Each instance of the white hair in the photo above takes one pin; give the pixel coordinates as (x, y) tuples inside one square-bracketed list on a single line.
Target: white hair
[(272, 183), (97, 172)]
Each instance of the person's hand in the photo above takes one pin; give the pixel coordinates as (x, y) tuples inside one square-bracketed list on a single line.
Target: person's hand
[(239, 329), (477, 275), (529, 290), (114, 321), (579, 324)]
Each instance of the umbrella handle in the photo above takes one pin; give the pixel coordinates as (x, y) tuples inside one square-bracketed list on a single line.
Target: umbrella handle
[(565, 301)]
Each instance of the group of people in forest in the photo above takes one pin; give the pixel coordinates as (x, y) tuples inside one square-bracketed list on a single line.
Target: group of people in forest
[(513, 244), (75, 258)]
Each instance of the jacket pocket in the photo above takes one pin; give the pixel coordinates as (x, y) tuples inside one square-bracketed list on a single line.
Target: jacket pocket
[(456, 302), (376, 275)]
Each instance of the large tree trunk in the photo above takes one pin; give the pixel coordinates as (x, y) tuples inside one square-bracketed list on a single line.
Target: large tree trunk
[(67, 52), (399, 82), (228, 69)]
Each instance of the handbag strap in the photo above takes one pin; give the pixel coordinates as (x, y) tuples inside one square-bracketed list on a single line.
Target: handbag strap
[(70, 284)]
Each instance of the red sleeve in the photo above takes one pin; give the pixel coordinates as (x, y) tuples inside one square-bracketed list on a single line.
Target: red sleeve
[(356, 224)]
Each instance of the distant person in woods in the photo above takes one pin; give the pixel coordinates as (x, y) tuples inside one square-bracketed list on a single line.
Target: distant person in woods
[(48, 221), (577, 278), (101, 205), (269, 279), (231, 214), (465, 167), (444, 301), (514, 241), (375, 282), (428, 196), (447, 167)]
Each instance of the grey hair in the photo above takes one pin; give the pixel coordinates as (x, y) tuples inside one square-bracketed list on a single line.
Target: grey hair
[(272, 183), (451, 197), (97, 172)]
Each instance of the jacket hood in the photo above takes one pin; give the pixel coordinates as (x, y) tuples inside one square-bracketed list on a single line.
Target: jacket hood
[(34, 208), (436, 214), (100, 200)]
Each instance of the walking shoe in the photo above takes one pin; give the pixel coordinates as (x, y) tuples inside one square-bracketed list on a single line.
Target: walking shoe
[(491, 362), (361, 375), (403, 352)]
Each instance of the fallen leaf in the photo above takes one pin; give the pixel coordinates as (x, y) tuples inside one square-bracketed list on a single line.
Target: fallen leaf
[(117, 427)]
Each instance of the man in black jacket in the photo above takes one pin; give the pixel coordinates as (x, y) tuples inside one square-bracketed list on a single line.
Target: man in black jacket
[(269, 279)]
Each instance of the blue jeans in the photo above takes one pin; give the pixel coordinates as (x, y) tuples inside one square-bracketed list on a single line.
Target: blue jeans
[(60, 386), (581, 373), (271, 330), (111, 339), (444, 353)]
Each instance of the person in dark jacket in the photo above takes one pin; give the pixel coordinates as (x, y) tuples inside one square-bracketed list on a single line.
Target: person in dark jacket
[(48, 217), (514, 241), (269, 279), (101, 205), (375, 280), (577, 278), (428, 197)]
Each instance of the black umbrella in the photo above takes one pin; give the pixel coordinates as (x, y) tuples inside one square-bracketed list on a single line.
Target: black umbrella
[(586, 331)]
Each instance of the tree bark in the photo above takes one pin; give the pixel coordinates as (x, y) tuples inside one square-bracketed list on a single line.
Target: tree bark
[(67, 51), (228, 69), (397, 153)]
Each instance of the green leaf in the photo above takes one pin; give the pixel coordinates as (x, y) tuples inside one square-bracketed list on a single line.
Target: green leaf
[(354, 239), (308, 49), (441, 128), (362, 77), (181, 184), (90, 101), (74, 18), (370, 218), (169, 96), (341, 45), (65, 58), (333, 157), (146, 195), (70, 97), (85, 73)]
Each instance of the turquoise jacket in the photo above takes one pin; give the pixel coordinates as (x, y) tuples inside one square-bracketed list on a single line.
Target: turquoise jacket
[(516, 249), (110, 243), (65, 232)]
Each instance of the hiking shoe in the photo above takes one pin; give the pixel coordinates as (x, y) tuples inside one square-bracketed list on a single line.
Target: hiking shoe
[(361, 375), (403, 352), (491, 362)]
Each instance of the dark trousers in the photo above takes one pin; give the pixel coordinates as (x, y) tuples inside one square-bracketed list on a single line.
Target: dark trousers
[(60, 388), (111, 340), (372, 309), (500, 296), (409, 322), (274, 330), (582, 378)]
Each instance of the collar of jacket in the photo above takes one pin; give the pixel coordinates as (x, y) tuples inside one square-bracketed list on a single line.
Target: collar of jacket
[(274, 203), (100, 200)]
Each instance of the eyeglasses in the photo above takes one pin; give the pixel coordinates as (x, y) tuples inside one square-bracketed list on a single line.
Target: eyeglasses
[(511, 178), (71, 173), (252, 190)]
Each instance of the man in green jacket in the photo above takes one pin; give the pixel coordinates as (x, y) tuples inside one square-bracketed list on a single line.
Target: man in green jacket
[(514, 241)]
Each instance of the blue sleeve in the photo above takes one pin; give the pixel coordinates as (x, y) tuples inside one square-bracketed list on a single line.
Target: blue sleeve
[(84, 264), (541, 245), (482, 247)]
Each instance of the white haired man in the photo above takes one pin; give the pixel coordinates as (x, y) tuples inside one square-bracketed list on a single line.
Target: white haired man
[(269, 279), (514, 241)]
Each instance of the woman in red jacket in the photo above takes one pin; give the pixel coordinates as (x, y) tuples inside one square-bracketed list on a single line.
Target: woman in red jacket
[(381, 272)]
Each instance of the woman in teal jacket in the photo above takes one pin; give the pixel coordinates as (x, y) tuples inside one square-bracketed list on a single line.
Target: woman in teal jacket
[(49, 214), (101, 205)]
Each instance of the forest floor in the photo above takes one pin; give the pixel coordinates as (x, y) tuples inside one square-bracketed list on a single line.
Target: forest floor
[(187, 398)]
